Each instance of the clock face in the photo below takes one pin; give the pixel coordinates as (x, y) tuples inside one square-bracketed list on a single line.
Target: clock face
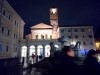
[(54, 22)]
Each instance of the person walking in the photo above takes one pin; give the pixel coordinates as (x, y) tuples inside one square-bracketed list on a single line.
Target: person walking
[(91, 64)]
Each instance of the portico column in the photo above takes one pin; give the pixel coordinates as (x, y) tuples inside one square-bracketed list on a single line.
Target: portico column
[(43, 50), (36, 50)]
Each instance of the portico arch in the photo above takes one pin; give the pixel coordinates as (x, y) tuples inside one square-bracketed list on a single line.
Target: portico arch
[(47, 50), (23, 51), (40, 50), (32, 50)]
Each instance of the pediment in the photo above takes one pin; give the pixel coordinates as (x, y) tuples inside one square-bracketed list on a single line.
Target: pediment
[(42, 25)]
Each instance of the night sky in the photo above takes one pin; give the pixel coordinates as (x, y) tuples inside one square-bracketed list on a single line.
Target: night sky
[(71, 12)]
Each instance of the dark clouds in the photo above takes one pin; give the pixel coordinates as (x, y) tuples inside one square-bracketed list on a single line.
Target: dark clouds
[(70, 12)]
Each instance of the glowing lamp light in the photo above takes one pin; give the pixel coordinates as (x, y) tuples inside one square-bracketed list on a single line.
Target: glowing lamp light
[(54, 10), (73, 43)]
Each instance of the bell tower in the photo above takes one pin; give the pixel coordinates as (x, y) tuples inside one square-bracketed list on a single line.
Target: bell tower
[(54, 22), (54, 17)]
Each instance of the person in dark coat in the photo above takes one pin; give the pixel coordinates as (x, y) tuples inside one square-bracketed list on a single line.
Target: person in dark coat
[(91, 65), (67, 65)]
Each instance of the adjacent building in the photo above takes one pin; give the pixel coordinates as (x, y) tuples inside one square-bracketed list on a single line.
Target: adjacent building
[(11, 30)]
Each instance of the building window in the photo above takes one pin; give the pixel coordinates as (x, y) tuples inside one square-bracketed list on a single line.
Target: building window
[(69, 30), (62, 31), (84, 43), (15, 22), (75, 30), (69, 37), (91, 43), (90, 36), (2, 29), (7, 48), (82, 30), (14, 35), (76, 36), (8, 32), (4, 12), (9, 17)]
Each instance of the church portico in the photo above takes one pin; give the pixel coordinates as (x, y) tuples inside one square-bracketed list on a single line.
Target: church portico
[(37, 47)]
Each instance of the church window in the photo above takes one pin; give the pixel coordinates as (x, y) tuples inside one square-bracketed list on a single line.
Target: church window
[(36, 36), (50, 36), (42, 37)]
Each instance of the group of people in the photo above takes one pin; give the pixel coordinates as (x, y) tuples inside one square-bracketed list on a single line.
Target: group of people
[(36, 58), (68, 66)]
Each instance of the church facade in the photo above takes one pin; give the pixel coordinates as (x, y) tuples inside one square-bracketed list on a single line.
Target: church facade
[(38, 41)]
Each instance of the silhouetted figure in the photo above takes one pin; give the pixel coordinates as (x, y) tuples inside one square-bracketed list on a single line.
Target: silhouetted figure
[(67, 66), (23, 60), (33, 56), (37, 58), (91, 65)]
